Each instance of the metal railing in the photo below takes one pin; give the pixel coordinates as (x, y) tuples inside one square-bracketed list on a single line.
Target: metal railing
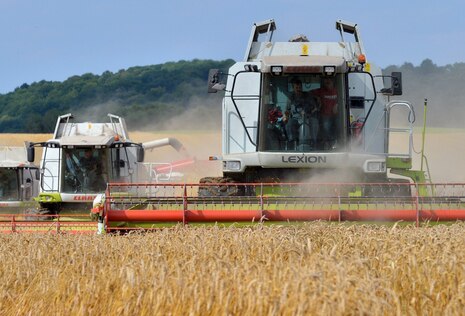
[(55, 224)]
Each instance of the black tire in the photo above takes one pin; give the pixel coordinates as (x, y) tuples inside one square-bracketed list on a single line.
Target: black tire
[(394, 188), (39, 214), (219, 190)]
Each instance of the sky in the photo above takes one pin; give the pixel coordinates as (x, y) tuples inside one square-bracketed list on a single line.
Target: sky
[(56, 39)]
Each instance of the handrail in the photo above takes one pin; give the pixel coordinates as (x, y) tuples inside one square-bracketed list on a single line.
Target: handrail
[(409, 129)]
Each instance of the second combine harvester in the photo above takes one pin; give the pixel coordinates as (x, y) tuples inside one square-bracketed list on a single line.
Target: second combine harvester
[(82, 157)]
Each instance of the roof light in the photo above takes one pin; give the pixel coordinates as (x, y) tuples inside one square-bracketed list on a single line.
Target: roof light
[(329, 70), (362, 59), (277, 70)]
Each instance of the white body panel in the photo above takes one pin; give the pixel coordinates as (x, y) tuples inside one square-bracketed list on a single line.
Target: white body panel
[(78, 198), (284, 160), (50, 167), (247, 89), (349, 51)]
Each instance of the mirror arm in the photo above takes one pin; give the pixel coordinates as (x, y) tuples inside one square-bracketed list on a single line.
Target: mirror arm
[(372, 102)]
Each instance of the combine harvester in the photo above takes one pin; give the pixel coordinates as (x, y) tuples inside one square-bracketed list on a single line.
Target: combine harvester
[(76, 165), (19, 184), (322, 153), (82, 157), (19, 180)]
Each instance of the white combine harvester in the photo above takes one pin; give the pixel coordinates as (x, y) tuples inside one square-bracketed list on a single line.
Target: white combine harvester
[(336, 130), (18, 180), (81, 158)]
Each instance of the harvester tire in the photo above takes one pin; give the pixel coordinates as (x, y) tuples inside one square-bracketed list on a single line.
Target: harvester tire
[(394, 188), (219, 190), (38, 214)]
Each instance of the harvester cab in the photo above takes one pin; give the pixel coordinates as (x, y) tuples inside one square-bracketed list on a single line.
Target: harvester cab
[(19, 180), (292, 111), (81, 158)]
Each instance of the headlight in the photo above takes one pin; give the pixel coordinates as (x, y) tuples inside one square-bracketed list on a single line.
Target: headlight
[(232, 165), (375, 166)]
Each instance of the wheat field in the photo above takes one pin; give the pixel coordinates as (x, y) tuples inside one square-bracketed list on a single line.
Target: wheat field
[(313, 268)]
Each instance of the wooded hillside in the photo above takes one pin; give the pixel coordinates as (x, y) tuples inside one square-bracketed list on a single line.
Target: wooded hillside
[(142, 95)]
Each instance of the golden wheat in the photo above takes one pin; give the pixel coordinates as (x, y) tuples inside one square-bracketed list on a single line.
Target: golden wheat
[(314, 268)]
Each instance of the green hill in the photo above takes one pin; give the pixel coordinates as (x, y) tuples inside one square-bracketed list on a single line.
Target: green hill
[(142, 95)]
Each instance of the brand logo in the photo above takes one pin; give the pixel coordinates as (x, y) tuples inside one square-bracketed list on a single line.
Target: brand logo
[(84, 197), (304, 159)]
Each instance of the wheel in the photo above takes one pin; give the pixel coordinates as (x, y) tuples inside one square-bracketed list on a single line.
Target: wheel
[(394, 188), (219, 190), (39, 214)]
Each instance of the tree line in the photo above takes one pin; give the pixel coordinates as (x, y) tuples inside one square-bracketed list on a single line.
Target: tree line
[(142, 95), (149, 95)]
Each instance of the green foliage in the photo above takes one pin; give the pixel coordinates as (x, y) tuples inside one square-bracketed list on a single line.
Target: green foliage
[(142, 95)]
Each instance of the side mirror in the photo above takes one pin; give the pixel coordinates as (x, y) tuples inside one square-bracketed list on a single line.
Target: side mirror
[(396, 83), (214, 84), (140, 154), (30, 154)]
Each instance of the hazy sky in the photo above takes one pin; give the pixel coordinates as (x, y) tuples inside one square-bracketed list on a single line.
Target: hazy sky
[(55, 39)]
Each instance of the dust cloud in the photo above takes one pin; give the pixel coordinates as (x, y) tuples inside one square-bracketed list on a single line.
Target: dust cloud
[(198, 128), (199, 114), (99, 112), (444, 151), (445, 132)]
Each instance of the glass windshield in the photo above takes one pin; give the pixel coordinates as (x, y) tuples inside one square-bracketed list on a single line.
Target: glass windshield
[(302, 113), (85, 170), (9, 185)]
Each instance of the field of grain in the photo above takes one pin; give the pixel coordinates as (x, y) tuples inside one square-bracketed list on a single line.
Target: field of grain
[(313, 268)]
